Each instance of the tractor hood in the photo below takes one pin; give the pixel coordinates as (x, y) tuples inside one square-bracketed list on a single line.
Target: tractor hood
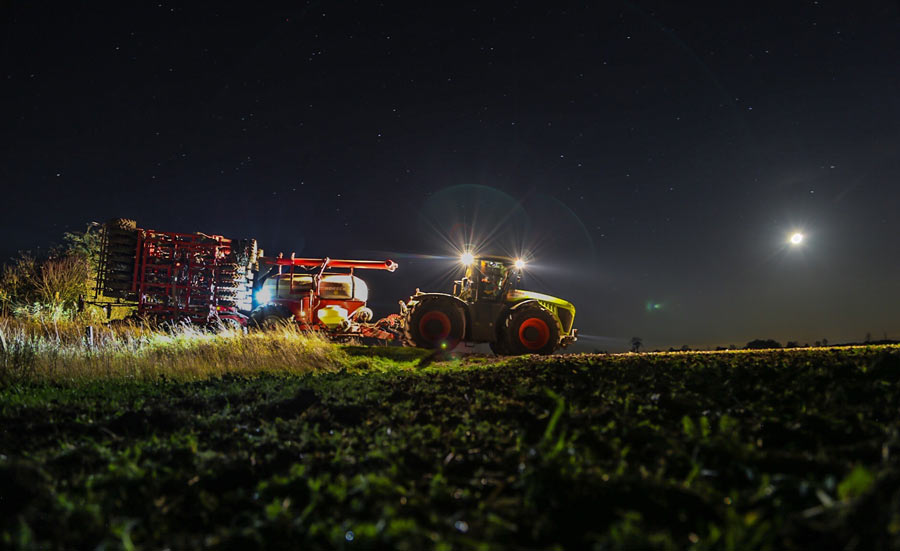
[(562, 310), (518, 295)]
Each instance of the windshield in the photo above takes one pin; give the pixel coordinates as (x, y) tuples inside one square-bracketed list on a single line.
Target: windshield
[(489, 276)]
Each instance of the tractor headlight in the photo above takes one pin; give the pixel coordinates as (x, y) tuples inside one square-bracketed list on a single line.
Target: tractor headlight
[(467, 259), (520, 264)]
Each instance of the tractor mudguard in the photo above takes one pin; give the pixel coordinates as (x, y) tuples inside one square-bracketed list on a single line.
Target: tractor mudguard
[(518, 305), (421, 297)]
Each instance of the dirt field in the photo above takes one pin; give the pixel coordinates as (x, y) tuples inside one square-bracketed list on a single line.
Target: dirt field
[(794, 449)]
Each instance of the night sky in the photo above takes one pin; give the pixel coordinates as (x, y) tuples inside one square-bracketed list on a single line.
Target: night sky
[(650, 158)]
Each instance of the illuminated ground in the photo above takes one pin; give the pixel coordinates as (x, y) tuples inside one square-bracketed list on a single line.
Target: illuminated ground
[(753, 450)]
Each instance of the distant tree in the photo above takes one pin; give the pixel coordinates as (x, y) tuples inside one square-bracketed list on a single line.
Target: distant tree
[(53, 283), (818, 343), (868, 337), (824, 342), (685, 348), (792, 344), (84, 245), (763, 343), (636, 343)]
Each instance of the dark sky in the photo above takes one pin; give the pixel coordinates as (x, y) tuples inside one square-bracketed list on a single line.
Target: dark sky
[(651, 158)]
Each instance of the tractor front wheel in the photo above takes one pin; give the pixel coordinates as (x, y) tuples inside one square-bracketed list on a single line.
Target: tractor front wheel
[(435, 324), (531, 330)]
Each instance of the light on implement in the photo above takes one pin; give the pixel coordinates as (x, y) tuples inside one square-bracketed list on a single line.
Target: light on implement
[(520, 264), (263, 296), (467, 259)]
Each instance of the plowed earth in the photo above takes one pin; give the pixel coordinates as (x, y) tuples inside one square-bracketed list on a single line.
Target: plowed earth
[(791, 449)]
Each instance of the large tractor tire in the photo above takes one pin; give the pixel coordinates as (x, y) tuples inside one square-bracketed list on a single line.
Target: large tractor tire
[(122, 224), (435, 323), (118, 266), (531, 330), (270, 316), (121, 245), (121, 256)]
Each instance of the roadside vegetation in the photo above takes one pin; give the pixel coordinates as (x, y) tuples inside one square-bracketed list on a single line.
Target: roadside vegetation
[(51, 286), (226, 440), (62, 351)]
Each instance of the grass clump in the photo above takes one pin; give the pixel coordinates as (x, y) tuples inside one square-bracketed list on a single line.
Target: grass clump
[(56, 352)]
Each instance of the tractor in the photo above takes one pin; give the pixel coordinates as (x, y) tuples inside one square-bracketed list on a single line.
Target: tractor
[(486, 306)]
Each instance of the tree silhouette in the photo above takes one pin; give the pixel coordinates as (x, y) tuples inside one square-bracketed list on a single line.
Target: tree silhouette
[(636, 343), (763, 343)]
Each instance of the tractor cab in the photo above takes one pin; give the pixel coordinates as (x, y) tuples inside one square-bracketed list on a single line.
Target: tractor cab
[(488, 278)]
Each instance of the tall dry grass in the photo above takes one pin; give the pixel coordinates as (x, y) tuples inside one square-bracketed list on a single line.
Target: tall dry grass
[(35, 350)]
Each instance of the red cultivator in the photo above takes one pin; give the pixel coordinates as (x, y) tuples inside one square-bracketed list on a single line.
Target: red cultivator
[(176, 277)]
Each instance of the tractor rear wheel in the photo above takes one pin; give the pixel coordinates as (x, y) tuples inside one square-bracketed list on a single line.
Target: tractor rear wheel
[(435, 324), (122, 224), (531, 330)]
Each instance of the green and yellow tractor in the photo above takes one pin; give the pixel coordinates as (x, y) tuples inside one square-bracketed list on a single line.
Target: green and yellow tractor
[(486, 306)]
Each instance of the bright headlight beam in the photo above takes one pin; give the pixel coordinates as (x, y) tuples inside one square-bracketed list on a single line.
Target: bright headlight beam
[(519, 264), (796, 238), (467, 259), (263, 296)]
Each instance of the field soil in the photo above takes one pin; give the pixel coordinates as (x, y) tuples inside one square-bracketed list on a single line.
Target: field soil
[(794, 449)]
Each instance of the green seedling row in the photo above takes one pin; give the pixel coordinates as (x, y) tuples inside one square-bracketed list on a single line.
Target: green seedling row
[(385, 449)]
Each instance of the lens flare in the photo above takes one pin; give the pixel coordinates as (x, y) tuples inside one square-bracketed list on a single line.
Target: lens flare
[(796, 238), (467, 259), (520, 264)]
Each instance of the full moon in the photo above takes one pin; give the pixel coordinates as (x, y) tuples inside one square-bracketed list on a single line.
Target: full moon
[(796, 238)]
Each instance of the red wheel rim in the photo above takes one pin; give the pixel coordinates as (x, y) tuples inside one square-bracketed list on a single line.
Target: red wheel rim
[(434, 326), (534, 333)]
